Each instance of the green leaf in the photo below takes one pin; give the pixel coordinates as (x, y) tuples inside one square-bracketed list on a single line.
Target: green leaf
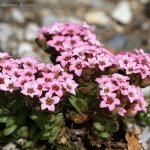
[(32, 131), (104, 135), (9, 130), (3, 119), (3, 111), (98, 126), (78, 103), (51, 139), (23, 132), (54, 130), (10, 121), (44, 135), (29, 144), (58, 119)]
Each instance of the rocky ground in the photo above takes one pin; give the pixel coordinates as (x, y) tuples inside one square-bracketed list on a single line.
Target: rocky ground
[(126, 22)]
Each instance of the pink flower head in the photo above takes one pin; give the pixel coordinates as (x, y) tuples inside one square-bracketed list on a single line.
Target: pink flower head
[(65, 58), (70, 86), (57, 42), (49, 102), (30, 88), (109, 102), (77, 66), (55, 87)]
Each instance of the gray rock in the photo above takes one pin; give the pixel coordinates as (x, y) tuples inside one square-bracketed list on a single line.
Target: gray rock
[(17, 15), (118, 41), (48, 17), (97, 17), (31, 31), (123, 12)]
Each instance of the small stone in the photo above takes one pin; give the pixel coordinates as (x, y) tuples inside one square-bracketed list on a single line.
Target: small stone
[(10, 146), (31, 31), (123, 12), (118, 41), (17, 15), (146, 90), (97, 17), (48, 17), (25, 49)]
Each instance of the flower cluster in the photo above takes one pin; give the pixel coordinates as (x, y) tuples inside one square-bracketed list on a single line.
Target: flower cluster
[(136, 62), (78, 47), (119, 96), (66, 36), (47, 82)]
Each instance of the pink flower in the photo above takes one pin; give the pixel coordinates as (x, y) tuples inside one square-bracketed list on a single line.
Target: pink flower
[(30, 88), (65, 76), (122, 111), (22, 80), (65, 58), (49, 102), (77, 66), (70, 86), (107, 89), (40, 86), (71, 42), (9, 85), (109, 102), (144, 70), (103, 62), (55, 87), (57, 42)]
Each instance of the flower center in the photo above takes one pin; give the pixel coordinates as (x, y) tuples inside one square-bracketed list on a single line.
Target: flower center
[(1, 81), (79, 66), (40, 87), (58, 43), (10, 86), (55, 87), (109, 101), (106, 90), (49, 101), (67, 58), (30, 90)]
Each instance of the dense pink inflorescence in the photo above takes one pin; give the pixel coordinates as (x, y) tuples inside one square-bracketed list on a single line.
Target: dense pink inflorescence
[(78, 47), (47, 82), (118, 95), (136, 62)]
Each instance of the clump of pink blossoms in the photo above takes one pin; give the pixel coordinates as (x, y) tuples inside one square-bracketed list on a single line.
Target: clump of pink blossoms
[(81, 54), (78, 47), (119, 96), (47, 82)]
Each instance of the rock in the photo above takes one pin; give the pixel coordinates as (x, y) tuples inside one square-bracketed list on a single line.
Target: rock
[(25, 49), (97, 17), (118, 41), (17, 15), (146, 90), (10, 146), (48, 17), (31, 31), (123, 12)]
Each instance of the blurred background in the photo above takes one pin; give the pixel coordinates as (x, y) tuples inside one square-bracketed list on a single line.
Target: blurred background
[(119, 24)]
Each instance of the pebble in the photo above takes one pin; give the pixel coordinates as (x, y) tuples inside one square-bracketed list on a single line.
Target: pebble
[(10, 146), (17, 15), (118, 41), (97, 18), (31, 31), (123, 13), (26, 49), (48, 17)]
